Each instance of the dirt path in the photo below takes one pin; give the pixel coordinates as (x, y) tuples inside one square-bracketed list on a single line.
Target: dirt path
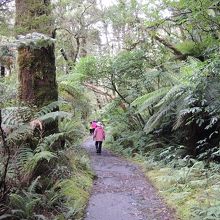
[(121, 192)]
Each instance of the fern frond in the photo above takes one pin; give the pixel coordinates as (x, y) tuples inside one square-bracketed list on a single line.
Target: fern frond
[(23, 205), (48, 141), (27, 159), (172, 94), (52, 116), (20, 133), (47, 155), (49, 108), (153, 99), (67, 126), (150, 98), (155, 119), (16, 116), (17, 201), (32, 187), (166, 78), (43, 155), (71, 90), (29, 208), (25, 154)]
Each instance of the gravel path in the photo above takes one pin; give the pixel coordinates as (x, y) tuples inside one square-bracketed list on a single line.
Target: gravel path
[(121, 192)]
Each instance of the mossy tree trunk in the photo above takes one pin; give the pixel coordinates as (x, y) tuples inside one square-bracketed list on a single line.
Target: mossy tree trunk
[(36, 63), (37, 75), (37, 70)]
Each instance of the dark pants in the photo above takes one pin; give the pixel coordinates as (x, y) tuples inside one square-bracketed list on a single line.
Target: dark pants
[(98, 145)]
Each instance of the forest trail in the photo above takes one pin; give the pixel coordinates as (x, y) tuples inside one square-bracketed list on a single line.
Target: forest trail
[(121, 191)]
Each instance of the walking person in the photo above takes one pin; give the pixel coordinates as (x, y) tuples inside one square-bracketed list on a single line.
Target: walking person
[(99, 137), (92, 127)]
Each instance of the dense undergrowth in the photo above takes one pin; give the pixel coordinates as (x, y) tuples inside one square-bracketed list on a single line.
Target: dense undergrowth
[(188, 185), (48, 175), (37, 191), (157, 86), (167, 115)]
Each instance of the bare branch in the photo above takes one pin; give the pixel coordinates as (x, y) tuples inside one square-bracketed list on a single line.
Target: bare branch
[(98, 90)]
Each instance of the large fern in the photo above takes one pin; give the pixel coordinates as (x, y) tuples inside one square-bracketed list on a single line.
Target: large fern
[(53, 106), (27, 159), (150, 98)]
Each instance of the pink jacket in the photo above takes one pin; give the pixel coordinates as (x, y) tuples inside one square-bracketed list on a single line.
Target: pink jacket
[(93, 124), (99, 134)]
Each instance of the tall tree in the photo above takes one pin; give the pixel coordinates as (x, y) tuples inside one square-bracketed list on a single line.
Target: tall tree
[(75, 25), (37, 71)]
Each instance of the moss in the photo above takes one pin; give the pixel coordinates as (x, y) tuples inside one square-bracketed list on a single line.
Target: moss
[(76, 189), (37, 75)]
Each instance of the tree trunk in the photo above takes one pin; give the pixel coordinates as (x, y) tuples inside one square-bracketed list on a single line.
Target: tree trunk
[(37, 70), (36, 59), (37, 75), (83, 51), (36, 63)]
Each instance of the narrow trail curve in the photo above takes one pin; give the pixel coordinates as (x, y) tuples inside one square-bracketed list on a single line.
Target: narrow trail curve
[(121, 191)]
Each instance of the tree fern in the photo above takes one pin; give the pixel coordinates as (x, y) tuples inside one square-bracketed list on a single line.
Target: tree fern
[(173, 94), (27, 159), (46, 143), (52, 116), (49, 108), (155, 120), (150, 99)]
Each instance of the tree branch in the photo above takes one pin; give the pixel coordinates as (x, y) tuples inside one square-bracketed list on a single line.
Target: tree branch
[(116, 90), (98, 90), (167, 44)]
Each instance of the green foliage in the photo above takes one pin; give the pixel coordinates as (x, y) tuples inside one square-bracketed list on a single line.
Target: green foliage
[(38, 19), (174, 102), (7, 92), (76, 96), (86, 68), (31, 152), (27, 159), (191, 48), (23, 204), (75, 189), (159, 109)]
